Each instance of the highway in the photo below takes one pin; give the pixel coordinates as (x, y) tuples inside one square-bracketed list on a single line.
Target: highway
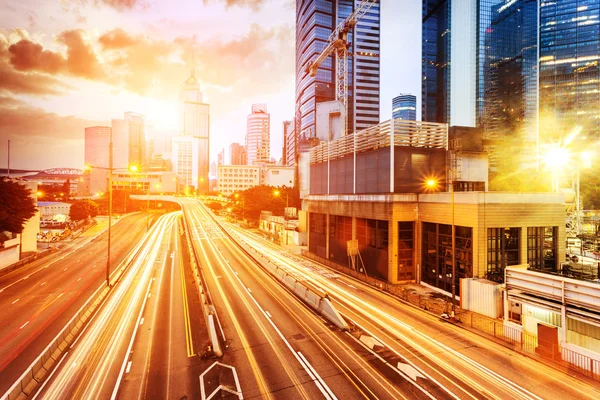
[(462, 363), (38, 299), (278, 347), (95, 365)]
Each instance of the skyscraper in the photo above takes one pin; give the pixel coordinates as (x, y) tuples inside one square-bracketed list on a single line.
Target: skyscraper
[(258, 135), (286, 127), (569, 70), (315, 21), (511, 88), (454, 34), (194, 123), (129, 141), (404, 107), (96, 146), (237, 154)]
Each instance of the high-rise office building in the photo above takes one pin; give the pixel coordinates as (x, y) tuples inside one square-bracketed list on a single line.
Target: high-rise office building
[(194, 123), (129, 141), (258, 135), (404, 107), (315, 21), (454, 60), (237, 154), (96, 146), (221, 157), (286, 127), (511, 88), (569, 70)]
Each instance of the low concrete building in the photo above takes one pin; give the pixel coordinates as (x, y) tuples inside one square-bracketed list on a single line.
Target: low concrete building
[(237, 178), (54, 211), (278, 175), (95, 182), (401, 218)]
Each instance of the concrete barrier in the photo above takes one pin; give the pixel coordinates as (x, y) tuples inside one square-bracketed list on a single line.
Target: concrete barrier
[(208, 309), (320, 303)]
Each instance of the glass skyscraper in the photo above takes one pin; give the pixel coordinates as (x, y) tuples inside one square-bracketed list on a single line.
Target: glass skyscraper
[(454, 60), (315, 20), (404, 107), (511, 86), (569, 73)]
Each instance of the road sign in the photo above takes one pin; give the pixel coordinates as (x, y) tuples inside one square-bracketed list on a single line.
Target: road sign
[(352, 247)]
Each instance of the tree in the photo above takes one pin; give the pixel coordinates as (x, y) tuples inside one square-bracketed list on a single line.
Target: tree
[(82, 209), (16, 206)]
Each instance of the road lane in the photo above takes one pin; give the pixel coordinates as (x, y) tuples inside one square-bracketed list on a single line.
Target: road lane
[(324, 361), (41, 298), (468, 365), (95, 365)]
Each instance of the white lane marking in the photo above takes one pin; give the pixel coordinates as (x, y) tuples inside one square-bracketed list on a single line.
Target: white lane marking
[(314, 375), (269, 314), (16, 301), (78, 260), (78, 279), (142, 321), (26, 277), (249, 290), (65, 269), (149, 294), (370, 341), (128, 367), (24, 325), (43, 284), (50, 376)]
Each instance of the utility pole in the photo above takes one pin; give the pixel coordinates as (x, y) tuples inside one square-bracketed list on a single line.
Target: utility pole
[(110, 201), (8, 169)]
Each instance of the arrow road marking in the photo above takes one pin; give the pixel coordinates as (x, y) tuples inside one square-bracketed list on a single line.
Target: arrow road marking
[(410, 371), (370, 342)]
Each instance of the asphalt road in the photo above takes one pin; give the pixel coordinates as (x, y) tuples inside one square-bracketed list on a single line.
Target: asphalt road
[(94, 366), (278, 347), (40, 298), (464, 364)]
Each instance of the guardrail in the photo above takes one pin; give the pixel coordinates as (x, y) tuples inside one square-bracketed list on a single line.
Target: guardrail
[(39, 369)]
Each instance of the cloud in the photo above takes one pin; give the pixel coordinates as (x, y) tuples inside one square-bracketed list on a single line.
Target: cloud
[(56, 141), (80, 61), (116, 39), (253, 4), (121, 4)]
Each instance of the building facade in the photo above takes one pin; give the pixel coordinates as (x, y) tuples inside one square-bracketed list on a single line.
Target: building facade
[(286, 127), (454, 60), (315, 21), (290, 145), (96, 146), (569, 70), (129, 141), (237, 154), (278, 175), (237, 178), (258, 135), (404, 106), (393, 203), (511, 88), (185, 158), (195, 126)]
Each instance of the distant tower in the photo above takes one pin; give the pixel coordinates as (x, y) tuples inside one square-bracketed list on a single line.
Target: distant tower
[(194, 123), (258, 135), (404, 106)]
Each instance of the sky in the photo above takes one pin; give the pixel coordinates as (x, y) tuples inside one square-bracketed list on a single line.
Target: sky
[(69, 64)]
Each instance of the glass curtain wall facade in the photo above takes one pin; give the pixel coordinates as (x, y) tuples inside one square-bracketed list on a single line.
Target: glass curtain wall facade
[(453, 88), (315, 20), (569, 73), (404, 107), (511, 86)]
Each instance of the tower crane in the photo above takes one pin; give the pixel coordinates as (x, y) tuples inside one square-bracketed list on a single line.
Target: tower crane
[(338, 43)]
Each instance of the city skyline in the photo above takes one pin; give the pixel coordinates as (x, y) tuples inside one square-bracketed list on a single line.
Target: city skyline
[(88, 89)]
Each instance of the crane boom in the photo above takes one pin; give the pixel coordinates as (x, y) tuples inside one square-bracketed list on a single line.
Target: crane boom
[(338, 42)]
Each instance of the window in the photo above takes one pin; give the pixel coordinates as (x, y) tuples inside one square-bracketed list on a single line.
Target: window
[(541, 248), (405, 250), (503, 250)]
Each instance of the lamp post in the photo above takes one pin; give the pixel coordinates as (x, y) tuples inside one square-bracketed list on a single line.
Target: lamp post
[(110, 170)]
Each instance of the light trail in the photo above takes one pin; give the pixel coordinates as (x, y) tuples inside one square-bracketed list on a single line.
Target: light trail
[(87, 370), (373, 314)]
